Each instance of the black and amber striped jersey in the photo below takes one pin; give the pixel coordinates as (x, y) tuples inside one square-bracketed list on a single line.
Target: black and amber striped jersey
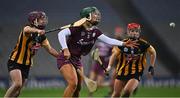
[(25, 48), (132, 60)]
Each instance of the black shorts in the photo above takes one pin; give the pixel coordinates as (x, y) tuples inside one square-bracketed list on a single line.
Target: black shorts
[(128, 77), (24, 68)]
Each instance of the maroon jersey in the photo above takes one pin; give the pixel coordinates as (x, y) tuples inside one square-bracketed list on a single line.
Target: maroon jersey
[(81, 41)]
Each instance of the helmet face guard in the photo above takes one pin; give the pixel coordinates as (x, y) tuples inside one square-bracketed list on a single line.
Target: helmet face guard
[(133, 31), (92, 14), (95, 17), (38, 19)]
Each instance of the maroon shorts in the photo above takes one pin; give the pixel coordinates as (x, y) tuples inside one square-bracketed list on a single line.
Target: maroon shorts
[(61, 60)]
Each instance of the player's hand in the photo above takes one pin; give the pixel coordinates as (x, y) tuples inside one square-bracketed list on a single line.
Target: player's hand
[(151, 70), (131, 43), (108, 68), (41, 32), (67, 54)]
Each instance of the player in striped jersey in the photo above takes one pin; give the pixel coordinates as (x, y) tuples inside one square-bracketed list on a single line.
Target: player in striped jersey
[(132, 62), (30, 40)]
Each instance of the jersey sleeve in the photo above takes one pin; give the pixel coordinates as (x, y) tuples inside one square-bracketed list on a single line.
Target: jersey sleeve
[(98, 32), (74, 30), (145, 44)]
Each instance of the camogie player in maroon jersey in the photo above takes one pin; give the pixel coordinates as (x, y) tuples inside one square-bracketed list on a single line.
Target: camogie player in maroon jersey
[(79, 43)]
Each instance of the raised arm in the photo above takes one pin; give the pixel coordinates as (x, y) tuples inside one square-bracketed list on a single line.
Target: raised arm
[(112, 41), (27, 30), (109, 40)]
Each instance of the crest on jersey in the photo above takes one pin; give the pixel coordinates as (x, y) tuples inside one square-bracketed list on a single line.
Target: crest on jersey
[(125, 49), (94, 34)]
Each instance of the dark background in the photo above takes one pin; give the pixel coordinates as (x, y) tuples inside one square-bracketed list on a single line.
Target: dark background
[(153, 15)]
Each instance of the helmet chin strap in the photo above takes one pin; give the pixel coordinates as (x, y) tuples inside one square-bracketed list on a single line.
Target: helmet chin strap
[(95, 23), (36, 23), (90, 17)]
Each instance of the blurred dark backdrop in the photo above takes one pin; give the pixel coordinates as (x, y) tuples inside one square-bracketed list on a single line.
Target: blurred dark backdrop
[(153, 15)]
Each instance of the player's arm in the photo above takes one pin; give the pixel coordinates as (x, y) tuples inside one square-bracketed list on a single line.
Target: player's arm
[(152, 53), (62, 40), (28, 30), (115, 53), (49, 49), (112, 41)]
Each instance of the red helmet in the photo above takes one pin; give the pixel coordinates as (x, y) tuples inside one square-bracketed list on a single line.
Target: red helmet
[(34, 16), (133, 26)]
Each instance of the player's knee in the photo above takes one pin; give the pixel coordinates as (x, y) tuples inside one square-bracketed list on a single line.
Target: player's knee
[(17, 85), (73, 84)]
